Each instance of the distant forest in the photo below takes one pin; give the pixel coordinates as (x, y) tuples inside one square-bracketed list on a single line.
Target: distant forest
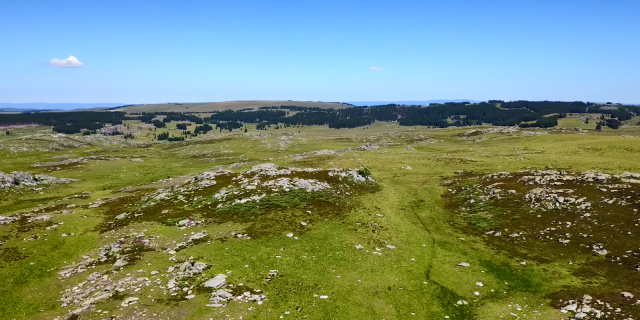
[(495, 112), (65, 122)]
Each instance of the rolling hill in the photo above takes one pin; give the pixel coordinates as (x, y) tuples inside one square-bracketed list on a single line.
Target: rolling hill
[(227, 105)]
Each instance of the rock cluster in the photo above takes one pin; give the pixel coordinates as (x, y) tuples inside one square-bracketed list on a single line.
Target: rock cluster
[(25, 179), (570, 214), (99, 287), (74, 161), (254, 184), (495, 130), (590, 308), (366, 147), (118, 252), (220, 297)]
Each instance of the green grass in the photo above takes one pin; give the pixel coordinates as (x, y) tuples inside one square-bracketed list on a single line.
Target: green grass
[(415, 218)]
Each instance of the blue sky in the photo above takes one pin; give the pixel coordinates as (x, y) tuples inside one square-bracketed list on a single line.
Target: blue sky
[(190, 51)]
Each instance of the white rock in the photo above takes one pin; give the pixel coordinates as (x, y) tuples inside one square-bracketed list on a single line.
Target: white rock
[(216, 282), (289, 235), (120, 263), (580, 315), (359, 247), (129, 301), (122, 216), (463, 264), (479, 284)]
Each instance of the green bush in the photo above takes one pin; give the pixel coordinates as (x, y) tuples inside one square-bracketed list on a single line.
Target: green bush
[(364, 172)]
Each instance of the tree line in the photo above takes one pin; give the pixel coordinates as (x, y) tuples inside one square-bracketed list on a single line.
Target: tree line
[(65, 122), (496, 112)]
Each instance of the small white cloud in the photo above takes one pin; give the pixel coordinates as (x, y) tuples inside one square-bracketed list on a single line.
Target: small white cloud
[(374, 68), (71, 62)]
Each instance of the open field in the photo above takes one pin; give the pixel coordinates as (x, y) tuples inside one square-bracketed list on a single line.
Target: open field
[(227, 105), (287, 223)]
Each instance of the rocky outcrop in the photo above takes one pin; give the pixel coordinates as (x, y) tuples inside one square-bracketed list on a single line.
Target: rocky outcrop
[(25, 179)]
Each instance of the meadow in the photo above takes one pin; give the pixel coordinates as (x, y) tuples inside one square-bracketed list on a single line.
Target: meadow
[(370, 225)]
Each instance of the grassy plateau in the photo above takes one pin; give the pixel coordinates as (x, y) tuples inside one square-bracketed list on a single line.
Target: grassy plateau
[(381, 222)]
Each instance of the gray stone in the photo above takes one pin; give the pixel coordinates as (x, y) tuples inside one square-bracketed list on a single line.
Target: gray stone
[(122, 216), (129, 301), (216, 282), (580, 315), (120, 263), (223, 294)]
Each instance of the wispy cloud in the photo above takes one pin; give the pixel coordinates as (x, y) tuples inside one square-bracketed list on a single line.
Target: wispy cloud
[(71, 62), (376, 69)]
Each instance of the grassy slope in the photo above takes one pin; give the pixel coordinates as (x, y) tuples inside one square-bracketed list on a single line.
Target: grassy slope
[(391, 286)]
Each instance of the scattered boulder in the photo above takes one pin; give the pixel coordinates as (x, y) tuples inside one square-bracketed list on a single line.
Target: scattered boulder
[(216, 282), (120, 263), (45, 217), (129, 301), (580, 315), (122, 216)]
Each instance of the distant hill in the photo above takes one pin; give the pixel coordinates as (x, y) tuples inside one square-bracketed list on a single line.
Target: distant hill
[(409, 102), (42, 106), (227, 105)]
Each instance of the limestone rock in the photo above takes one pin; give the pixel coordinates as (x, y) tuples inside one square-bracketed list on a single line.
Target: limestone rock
[(216, 282)]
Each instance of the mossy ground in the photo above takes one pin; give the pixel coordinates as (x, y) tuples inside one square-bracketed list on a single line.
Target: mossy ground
[(406, 210)]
